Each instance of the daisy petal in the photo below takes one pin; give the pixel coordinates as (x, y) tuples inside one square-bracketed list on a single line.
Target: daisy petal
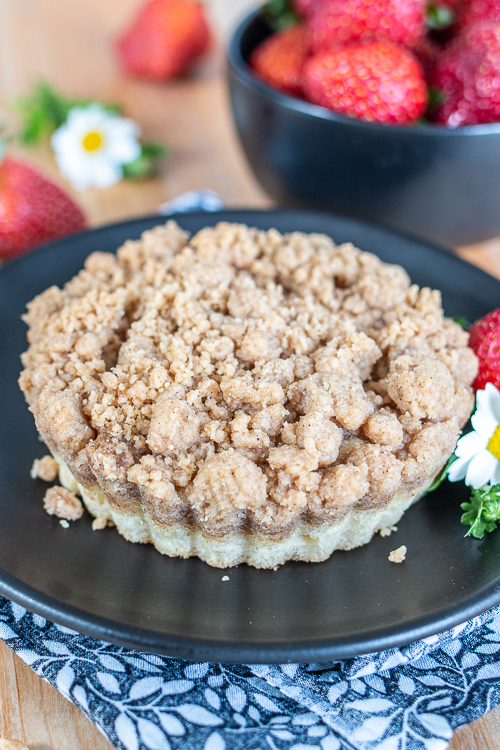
[(481, 469), (124, 150), (458, 469), (487, 416), (470, 444), (105, 174), (495, 479), (484, 422), (493, 400)]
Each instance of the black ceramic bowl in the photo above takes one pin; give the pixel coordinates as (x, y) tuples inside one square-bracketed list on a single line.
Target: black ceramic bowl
[(427, 180)]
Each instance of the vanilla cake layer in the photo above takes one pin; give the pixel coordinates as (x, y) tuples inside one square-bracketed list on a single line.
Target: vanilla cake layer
[(307, 542)]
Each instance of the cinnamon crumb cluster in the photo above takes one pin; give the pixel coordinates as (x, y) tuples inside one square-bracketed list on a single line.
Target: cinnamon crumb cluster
[(245, 378)]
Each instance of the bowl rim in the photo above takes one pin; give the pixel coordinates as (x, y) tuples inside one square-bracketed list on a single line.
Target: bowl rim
[(242, 70)]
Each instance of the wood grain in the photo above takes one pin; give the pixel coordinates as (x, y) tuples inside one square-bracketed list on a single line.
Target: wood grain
[(69, 43)]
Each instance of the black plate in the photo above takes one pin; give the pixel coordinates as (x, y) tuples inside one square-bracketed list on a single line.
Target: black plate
[(354, 603)]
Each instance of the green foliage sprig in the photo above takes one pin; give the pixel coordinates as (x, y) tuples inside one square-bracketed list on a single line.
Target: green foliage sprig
[(442, 474), (482, 512), (462, 322), (46, 110), (279, 14)]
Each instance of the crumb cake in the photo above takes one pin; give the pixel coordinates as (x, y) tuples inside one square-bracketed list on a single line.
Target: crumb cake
[(243, 395)]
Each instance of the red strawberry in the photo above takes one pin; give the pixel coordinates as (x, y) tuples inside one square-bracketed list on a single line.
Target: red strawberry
[(468, 76), (379, 82), (165, 39), (279, 59), (479, 10), (336, 22), (305, 7), (485, 340), (32, 209)]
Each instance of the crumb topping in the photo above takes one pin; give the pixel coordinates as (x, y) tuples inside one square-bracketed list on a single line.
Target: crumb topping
[(45, 468), (62, 503), (100, 523), (398, 555), (387, 530), (245, 376)]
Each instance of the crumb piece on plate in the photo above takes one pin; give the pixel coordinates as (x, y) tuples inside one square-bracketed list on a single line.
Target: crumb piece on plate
[(6, 744), (398, 555), (387, 530), (45, 468), (225, 578), (63, 504), (64, 523), (99, 523)]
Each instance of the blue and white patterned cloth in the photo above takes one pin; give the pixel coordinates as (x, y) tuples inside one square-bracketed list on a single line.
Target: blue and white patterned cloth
[(410, 698)]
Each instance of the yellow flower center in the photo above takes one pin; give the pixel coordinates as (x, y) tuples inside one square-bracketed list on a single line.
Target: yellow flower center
[(92, 141), (494, 443)]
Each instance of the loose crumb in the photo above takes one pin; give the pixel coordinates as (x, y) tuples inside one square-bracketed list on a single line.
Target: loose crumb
[(12, 744), (398, 555), (387, 530), (225, 578), (45, 468), (64, 523), (99, 523), (63, 504)]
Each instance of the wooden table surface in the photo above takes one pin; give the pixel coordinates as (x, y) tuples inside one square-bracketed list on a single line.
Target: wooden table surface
[(69, 43)]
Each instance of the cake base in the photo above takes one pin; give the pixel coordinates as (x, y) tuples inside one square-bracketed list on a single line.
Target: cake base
[(307, 542)]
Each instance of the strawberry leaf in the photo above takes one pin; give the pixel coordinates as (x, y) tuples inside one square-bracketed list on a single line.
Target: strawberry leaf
[(439, 16), (462, 322), (435, 100), (146, 164), (279, 14)]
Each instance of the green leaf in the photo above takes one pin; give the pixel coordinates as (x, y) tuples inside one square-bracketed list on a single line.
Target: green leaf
[(154, 150), (46, 110), (436, 98), (482, 511), (146, 163), (442, 474), (462, 322), (439, 17), (279, 14)]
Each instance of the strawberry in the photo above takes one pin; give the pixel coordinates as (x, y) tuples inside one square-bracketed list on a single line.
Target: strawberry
[(32, 209), (165, 39), (278, 60), (468, 76), (479, 10), (334, 22), (305, 7), (379, 82), (484, 339)]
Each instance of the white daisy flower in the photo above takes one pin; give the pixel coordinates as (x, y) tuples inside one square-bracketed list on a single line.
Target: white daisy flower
[(92, 146), (478, 452)]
